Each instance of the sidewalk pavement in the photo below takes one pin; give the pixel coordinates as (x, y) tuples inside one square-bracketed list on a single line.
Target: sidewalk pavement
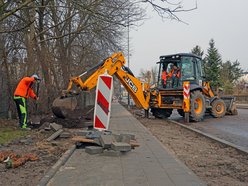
[(148, 165)]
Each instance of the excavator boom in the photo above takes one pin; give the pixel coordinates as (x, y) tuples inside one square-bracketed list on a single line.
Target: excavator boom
[(114, 65)]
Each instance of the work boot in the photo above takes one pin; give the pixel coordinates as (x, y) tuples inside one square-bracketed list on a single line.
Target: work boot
[(26, 128)]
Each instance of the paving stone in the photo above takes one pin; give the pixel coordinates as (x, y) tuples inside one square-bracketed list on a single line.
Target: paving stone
[(108, 152), (120, 146), (65, 135), (93, 150), (117, 137), (106, 140), (94, 134), (97, 141), (82, 132), (55, 135), (88, 124), (56, 126), (125, 138)]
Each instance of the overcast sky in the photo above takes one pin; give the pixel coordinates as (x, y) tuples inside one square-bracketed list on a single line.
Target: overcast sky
[(226, 21)]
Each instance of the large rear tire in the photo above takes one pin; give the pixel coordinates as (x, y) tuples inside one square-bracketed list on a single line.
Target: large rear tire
[(197, 106), (161, 113), (218, 108)]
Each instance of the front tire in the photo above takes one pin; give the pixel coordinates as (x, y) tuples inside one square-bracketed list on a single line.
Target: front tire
[(218, 108), (197, 106)]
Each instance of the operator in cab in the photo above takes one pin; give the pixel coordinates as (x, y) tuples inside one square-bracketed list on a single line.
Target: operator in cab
[(175, 74)]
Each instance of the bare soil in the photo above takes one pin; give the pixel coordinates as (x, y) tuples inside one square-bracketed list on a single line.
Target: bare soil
[(214, 163), (35, 142)]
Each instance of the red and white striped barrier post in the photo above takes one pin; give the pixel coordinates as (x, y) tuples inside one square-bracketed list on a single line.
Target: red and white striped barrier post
[(186, 100), (104, 91)]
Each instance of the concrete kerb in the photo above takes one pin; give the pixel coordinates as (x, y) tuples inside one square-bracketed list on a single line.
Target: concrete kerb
[(242, 106), (56, 166), (241, 149)]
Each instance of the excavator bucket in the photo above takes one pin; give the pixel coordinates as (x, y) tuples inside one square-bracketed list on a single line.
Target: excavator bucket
[(231, 108), (62, 107)]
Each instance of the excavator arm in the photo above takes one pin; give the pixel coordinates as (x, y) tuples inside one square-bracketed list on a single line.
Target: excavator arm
[(114, 65)]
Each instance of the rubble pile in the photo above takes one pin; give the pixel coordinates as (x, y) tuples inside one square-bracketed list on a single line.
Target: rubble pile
[(105, 142)]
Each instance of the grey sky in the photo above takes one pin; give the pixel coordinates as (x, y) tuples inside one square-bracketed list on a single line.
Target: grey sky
[(226, 21)]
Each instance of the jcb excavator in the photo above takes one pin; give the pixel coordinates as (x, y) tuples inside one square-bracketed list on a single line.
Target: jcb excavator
[(164, 97)]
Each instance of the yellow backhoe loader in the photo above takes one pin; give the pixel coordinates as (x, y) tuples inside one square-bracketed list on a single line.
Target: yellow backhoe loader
[(168, 93)]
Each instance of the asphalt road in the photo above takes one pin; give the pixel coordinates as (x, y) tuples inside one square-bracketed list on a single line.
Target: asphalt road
[(233, 129)]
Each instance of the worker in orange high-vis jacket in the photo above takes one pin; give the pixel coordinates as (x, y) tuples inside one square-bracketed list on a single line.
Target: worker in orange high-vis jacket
[(164, 76), (23, 91), (175, 74)]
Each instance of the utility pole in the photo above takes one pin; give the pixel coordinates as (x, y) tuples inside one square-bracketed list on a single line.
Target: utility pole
[(128, 55)]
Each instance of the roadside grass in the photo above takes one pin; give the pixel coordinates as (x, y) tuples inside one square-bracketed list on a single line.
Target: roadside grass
[(8, 134)]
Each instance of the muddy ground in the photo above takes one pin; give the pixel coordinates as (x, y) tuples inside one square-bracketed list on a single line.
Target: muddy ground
[(35, 142), (214, 163)]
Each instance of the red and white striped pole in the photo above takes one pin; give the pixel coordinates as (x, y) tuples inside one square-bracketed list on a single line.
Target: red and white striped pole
[(104, 91), (186, 100)]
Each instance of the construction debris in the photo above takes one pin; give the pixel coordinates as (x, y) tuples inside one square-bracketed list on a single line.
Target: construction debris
[(55, 126), (106, 143), (13, 160), (55, 135)]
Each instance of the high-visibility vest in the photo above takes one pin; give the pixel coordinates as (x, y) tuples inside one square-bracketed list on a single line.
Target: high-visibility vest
[(178, 74), (164, 77), (24, 89)]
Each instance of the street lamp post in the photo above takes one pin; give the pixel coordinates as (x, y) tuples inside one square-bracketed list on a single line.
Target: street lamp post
[(128, 55)]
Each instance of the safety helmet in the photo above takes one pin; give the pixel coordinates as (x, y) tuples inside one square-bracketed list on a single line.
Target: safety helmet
[(35, 76)]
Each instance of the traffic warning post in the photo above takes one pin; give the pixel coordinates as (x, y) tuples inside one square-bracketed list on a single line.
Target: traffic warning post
[(104, 91), (186, 100)]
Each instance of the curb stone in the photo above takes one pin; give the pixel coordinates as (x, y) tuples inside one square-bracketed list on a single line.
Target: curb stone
[(56, 166)]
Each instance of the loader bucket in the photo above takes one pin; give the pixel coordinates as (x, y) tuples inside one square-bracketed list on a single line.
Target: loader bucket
[(231, 108), (62, 107)]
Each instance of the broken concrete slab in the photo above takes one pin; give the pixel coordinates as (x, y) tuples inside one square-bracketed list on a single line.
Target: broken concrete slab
[(125, 138), (82, 132), (55, 126), (120, 146), (93, 150), (94, 134), (65, 134), (106, 140), (55, 135), (87, 123)]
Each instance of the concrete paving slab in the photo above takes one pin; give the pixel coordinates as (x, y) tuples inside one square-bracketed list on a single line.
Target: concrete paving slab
[(149, 164)]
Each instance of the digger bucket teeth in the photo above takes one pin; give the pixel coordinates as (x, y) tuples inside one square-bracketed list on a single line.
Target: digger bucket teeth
[(231, 108)]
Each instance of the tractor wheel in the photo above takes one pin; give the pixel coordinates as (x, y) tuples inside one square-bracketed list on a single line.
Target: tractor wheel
[(197, 106), (180, 112), (218, 108), (161, 113)]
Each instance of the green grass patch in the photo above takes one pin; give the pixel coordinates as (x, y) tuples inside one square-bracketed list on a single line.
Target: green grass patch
[(8, 134)]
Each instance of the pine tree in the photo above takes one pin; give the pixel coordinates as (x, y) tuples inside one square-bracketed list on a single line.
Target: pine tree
[(230, 73), (197, 51), (212, 64)]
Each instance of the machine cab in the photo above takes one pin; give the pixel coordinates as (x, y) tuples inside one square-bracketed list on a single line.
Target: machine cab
[(177, 68)]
